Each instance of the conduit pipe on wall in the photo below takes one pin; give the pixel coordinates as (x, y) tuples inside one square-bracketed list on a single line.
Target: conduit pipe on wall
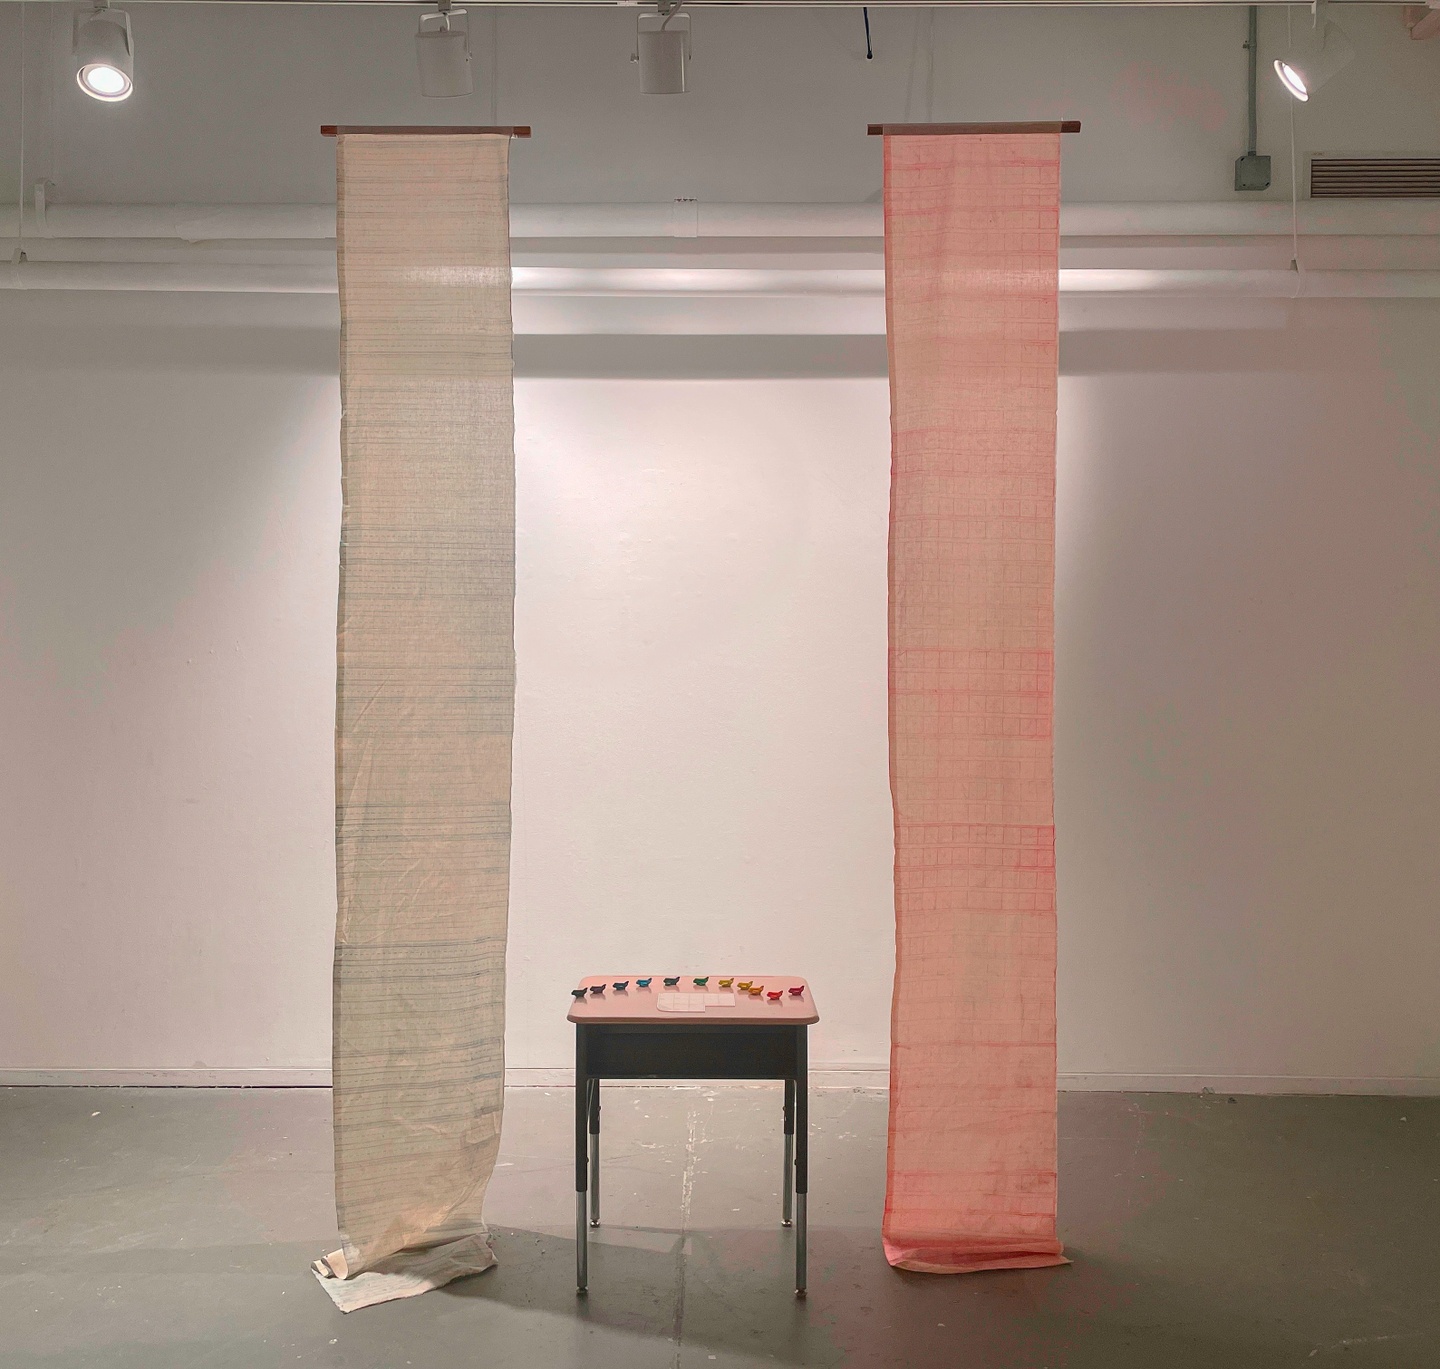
[(1265, 284), (689, 219), (1200, 219), (182, 222), (319, 278)]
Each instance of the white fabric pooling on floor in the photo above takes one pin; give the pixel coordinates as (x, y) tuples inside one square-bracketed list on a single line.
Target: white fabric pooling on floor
[(404, 1275)]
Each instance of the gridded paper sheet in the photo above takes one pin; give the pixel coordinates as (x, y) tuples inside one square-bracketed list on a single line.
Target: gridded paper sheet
[(693, 1002)]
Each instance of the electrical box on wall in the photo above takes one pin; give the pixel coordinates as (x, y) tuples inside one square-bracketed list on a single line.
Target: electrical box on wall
[(1252, 172)]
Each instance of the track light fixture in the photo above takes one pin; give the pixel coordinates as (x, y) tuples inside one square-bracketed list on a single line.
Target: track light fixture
[(104, 54), (663, 50), (1314, 55), (443, 52)]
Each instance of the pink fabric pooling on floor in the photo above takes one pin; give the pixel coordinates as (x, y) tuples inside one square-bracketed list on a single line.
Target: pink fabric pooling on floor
[(971, 251)]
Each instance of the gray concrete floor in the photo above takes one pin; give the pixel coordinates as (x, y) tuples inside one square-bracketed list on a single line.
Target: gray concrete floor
[(174, 1227)]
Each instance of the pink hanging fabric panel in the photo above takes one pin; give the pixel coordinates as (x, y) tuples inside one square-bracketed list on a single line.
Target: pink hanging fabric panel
[(971, 252)]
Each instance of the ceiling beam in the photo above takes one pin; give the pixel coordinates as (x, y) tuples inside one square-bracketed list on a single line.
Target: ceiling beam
[(779, 4)]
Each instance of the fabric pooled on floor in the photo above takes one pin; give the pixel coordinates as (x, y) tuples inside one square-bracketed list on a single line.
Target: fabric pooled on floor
[(405, 1275)]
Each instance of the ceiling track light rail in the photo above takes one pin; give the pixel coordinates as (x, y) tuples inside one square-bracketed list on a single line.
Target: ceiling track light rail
[(792, 4)]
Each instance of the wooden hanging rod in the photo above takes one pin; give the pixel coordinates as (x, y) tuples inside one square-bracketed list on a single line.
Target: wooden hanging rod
[(509, 131), (928, 130)]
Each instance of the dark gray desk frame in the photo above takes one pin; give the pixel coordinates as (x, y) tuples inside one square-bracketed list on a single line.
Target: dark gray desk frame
[(689, 1050)]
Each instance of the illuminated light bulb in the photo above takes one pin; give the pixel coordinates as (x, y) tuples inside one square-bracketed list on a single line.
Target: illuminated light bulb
[(104, 54), (1314, 56), (1291, 80), (105, 82)]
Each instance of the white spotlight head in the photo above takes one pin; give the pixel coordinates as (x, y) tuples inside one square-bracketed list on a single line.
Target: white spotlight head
[(663, 50), (443, 51), (1314, 57), (104, 54)]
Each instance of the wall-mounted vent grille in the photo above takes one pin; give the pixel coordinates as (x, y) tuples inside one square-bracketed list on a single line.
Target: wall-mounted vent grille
[(1374, 178)]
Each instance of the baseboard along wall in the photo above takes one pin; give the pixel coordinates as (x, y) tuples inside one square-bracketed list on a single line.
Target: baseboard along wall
[(844, 1076)]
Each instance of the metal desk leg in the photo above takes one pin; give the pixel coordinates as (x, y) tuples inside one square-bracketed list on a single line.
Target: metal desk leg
[(802, 1155), (582, 1114), (594, 1152), (582, 1247), (788, 1180)]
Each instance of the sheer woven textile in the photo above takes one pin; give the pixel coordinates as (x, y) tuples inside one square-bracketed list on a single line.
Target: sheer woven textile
[(426, 687), (971, 243)]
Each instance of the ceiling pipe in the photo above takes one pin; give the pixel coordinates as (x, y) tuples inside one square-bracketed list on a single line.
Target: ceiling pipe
[(319, 279), (268, 222), (789, 4), (1274, 284), (169, 276)]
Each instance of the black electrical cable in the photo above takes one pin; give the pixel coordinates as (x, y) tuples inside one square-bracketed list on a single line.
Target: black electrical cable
[(865, 11)]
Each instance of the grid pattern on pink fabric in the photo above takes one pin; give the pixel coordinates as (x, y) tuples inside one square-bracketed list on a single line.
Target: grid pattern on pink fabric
[(971, 255)]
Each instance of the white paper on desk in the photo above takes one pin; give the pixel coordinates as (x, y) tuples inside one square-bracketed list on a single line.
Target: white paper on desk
[(693, 1002)]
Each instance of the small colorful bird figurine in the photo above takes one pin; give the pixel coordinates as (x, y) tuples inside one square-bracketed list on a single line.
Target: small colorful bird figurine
[(797, 991), (671, 981), (644, 983), (701, 980), (577, 993), (597, 988), (773, 995), (726, 983), (744, 985), (621, 985)]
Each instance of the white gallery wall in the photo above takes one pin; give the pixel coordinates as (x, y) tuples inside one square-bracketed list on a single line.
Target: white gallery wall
[(1247, 745), (1248, 742), (701, 755), (169, 522), (1247, 662)]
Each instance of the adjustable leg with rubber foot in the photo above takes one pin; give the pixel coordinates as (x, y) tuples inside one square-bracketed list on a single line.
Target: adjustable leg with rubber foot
[(594, 1152), (788, 1179)]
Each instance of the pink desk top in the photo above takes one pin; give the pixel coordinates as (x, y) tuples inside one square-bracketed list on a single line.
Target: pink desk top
[(639, 1005)]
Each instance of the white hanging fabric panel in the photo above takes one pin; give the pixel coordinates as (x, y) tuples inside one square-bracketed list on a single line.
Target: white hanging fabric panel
[(426, 686)]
